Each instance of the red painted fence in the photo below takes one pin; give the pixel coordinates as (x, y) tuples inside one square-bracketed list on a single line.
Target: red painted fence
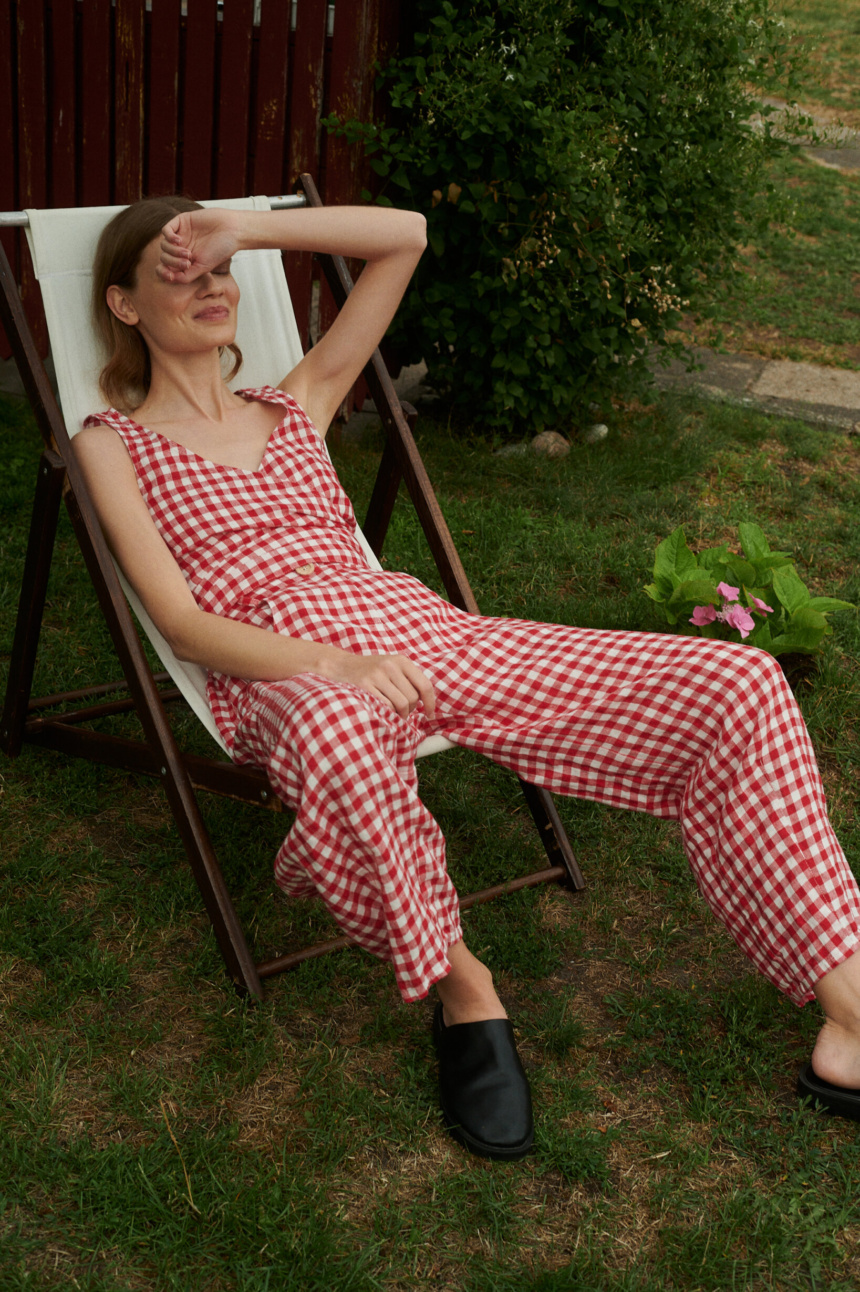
[(102, 101)]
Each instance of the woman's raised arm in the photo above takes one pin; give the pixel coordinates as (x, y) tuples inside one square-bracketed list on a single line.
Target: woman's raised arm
[(389, 241)]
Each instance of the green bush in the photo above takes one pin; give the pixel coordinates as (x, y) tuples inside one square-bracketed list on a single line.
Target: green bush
[(583, 166)]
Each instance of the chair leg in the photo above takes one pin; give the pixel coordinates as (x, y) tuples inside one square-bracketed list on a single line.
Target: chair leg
[(210, 882), (31, 603), (552, 832), (160, 740)]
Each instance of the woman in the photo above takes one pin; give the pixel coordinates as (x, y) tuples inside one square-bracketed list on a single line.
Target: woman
[(227, 518)]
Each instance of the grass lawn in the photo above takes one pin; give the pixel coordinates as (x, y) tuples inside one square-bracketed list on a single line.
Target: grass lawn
[(830, 29), (158, 1133), (798, 294)]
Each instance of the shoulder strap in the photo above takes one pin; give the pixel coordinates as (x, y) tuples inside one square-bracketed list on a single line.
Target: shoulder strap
[(109, 417), (268, 395)]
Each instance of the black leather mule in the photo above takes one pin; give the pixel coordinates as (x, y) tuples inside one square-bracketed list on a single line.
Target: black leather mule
[(485, 1096)]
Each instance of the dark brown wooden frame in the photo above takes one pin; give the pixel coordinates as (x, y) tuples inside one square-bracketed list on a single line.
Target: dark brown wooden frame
[(33, 720)]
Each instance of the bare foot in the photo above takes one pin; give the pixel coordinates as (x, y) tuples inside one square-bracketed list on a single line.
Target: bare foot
[(467, 993), (836, 1057)]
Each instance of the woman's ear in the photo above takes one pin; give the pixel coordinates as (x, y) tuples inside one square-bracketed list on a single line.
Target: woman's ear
[(120, 305)]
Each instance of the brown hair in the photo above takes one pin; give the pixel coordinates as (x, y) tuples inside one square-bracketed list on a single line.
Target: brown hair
[(125, 378)]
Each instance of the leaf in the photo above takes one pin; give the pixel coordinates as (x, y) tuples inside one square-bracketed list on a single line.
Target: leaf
[(714, 557), (776, 561), (804, 633), (760, 636), (825, 604), (718, 573), (673, 558), (697, 592), (764, 574), (761, 593), (742, 572), (790, 588), (808, 618), (753, 541)]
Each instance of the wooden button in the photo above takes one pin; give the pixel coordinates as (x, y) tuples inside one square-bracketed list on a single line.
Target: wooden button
[(305, 569)]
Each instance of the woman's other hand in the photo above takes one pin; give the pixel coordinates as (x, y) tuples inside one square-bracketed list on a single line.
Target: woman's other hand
[(394, 678), (198, 242)]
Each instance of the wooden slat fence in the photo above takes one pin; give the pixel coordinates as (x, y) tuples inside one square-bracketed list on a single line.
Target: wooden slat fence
[(102, 101)]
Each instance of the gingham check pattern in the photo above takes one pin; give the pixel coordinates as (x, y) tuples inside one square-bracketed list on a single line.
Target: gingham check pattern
[(704, 732)]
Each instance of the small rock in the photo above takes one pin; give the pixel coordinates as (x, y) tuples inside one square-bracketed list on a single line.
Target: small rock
[(511, 450), (549, 444), (855, 429), (594, 434)]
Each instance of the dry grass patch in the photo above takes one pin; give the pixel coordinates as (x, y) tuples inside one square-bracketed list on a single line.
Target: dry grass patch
[(18, 981)]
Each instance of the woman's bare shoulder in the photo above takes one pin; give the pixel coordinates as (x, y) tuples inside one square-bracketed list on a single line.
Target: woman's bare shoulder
[(97, 433), (93, 430), (98, 444)]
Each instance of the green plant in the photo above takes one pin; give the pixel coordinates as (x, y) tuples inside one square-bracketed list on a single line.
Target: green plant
[(582, 164), (689, 589)]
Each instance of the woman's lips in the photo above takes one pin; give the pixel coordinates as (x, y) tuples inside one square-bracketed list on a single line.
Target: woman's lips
[(214, 314)]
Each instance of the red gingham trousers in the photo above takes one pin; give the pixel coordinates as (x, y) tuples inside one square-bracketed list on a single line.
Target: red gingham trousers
[(707, 733)]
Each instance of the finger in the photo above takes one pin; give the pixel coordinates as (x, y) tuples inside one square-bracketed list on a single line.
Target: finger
[(175, 275), (400, 695), (171, 230), (174, 249), (400, 703), (176, 262), (422, 685), (393, 698)]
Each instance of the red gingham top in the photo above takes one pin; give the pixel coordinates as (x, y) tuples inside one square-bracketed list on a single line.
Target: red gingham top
[(276, 547)]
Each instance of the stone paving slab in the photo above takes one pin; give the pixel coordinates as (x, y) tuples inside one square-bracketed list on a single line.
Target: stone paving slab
[(838, 146), (811, 392), (809, 383), (846, 157)]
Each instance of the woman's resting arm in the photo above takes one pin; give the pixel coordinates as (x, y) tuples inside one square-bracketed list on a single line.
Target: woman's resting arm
[(388, 240), (197, 636)]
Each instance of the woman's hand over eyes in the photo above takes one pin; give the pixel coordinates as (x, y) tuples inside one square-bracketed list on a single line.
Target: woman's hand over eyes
[(198, 242), (394, 678)]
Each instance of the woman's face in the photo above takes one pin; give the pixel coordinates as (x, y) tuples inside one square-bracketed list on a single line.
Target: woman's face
[(178, 318)]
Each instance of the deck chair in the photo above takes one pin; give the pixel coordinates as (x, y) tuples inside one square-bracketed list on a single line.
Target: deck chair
[(62, 244)]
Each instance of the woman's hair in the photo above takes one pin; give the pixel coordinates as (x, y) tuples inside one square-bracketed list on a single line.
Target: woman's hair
[(126, 377)]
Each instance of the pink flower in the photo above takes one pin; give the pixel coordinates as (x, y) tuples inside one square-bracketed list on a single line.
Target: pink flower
[(727, 593), (703, 615), (737, 617), (759, 605)]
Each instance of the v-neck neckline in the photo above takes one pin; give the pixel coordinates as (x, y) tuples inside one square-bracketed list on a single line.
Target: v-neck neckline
[(249, 397)]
